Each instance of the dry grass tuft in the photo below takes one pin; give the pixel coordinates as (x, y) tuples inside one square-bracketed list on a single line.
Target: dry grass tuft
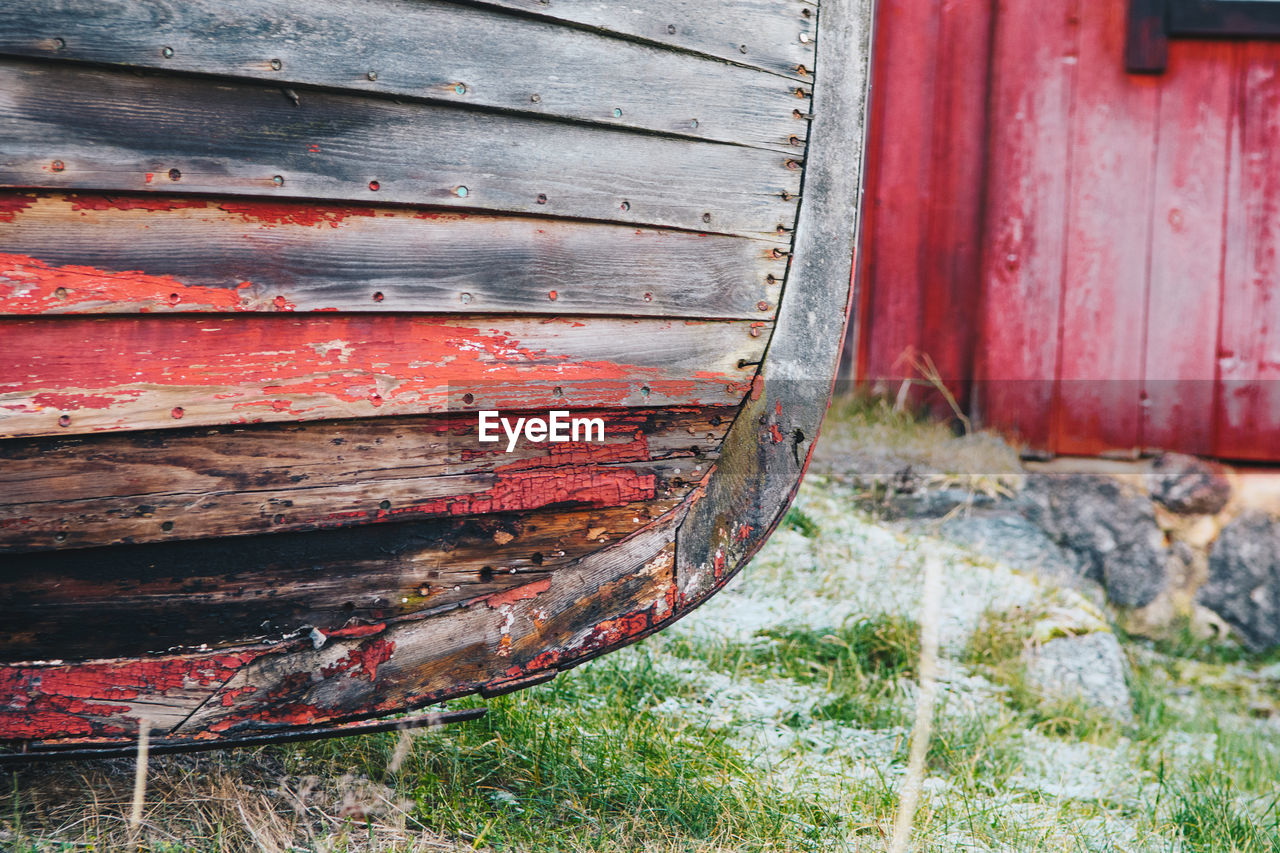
[(241, 800)]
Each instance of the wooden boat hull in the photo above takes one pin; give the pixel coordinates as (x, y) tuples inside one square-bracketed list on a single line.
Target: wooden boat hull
[(258, 290)]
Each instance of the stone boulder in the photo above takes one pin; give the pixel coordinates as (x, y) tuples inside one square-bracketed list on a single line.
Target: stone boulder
[(1112, 530), (1089, 667), (1010, 538), (1244, 580), (1188, 485)]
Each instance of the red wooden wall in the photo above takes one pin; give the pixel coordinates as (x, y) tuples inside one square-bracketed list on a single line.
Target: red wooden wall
[(1089, 256)]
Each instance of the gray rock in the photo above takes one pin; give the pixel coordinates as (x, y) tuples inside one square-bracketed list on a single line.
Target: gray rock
[(1188, 485), (1244, 580), (1089, 667), (1112, 531), (1013, 540), (936, 503)]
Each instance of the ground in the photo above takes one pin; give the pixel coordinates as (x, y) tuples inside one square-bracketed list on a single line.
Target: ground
[(776, 717)]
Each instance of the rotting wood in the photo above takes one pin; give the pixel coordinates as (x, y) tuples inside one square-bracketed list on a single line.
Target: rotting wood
[(778, 35), (69, 605), (362, 671), (129, 254), (112, 130), (62, 750), (326, 454), (82, 374), (470, 55), (604, 600)]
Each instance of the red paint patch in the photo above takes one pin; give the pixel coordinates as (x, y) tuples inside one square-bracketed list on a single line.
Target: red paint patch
[(405, 364), (356, 631), (271, 214), (775, 433), (520, 593), (743, 533), (363, 660), (92, 698), (31, 286), (11, 206)]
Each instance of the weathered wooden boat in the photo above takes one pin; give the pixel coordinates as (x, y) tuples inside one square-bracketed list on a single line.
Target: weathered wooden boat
[(264, 266)]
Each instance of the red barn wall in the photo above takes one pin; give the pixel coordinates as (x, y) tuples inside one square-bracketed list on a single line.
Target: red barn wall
[(1089, 256)]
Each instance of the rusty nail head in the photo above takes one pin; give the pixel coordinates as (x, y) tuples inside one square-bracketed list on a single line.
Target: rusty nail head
[(57, 165)]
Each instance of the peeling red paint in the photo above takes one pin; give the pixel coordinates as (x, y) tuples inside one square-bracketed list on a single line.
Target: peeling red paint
[(613, 631), (523, 490), (775, 433), (30, 286), (94, 698), (141, 365), (362, 660), (356, 631), (743, 532), (11, 206), (520, 593), (273, 213)]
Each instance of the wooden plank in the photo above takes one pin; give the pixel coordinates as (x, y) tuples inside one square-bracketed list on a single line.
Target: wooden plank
[(778, 35), (70, 604), (1188, 219), (609, 598), (138, 253), (768, 446), (903, 95), (1025, 223), (67, 127), (1104, 285), (440, 51), (953, 236), (1248, 412), (80, 374), (180, 484)]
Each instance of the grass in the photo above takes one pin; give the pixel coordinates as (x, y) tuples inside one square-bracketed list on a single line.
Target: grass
[(882, 449), (579, 765), (1208, 815)]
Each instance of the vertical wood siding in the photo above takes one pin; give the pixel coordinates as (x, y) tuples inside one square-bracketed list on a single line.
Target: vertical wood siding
[(1089, 256)]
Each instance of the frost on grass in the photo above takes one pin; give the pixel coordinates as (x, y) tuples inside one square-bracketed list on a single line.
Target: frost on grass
[(1011, 768)]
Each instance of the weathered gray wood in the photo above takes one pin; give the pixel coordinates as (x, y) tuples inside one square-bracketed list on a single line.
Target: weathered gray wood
[(70, 604), (443, 51), (68, 127), (188, 484), (768, 446), (134, 253), (68, 375), (777, 34)]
